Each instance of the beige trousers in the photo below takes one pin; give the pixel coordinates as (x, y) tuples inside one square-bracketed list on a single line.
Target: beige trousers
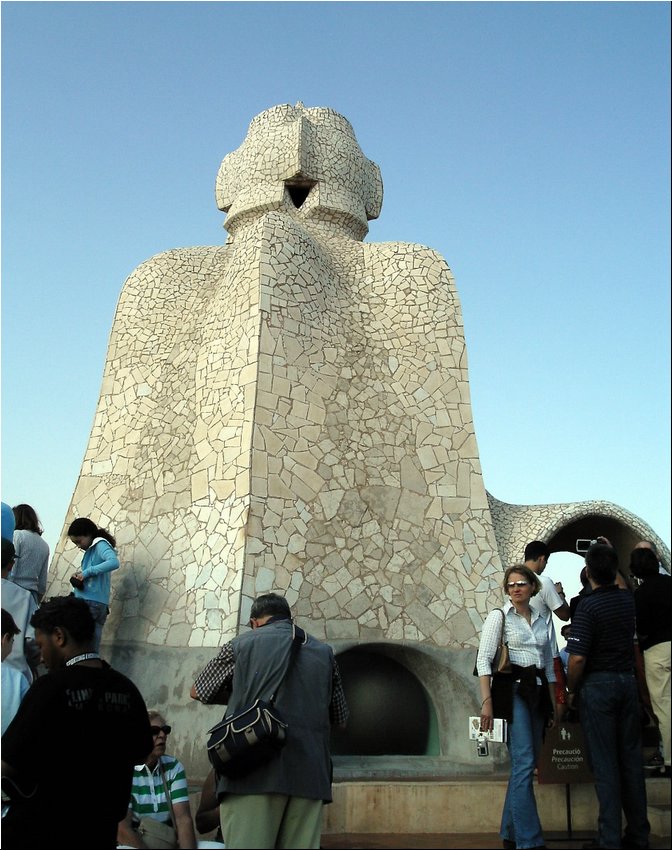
[(657, 672), (267, 821)]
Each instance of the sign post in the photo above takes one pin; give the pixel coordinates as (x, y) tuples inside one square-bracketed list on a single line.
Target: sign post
[(563, 761)]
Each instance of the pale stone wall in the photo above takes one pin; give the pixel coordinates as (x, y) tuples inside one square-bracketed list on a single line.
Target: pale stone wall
[(291, 412), (171, 438), (369, 505)]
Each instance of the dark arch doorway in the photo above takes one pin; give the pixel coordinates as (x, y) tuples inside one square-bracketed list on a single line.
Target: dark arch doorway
[(622, 536), (391, 713)]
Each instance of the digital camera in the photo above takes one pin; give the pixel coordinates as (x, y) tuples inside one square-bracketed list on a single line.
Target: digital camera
[(583, 545)]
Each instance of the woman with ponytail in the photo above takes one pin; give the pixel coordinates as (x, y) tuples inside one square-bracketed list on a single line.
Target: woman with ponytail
[(92, 582)]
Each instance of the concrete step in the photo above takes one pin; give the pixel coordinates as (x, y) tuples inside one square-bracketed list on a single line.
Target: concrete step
[(659, 791), (470, 804), (659, 818), (458, 841)]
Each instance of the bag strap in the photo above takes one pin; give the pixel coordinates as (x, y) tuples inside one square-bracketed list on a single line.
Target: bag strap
[(503, 634), (298, 637), (162, 771)]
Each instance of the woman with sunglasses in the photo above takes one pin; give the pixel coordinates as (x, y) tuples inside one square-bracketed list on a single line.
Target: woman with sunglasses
[(525, 698), (159, 795)]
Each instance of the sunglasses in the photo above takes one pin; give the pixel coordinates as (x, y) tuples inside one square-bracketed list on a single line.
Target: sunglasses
[(517, 583), (156, 730)]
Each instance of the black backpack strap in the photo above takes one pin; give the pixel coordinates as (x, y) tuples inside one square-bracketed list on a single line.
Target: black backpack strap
[(299, 637)]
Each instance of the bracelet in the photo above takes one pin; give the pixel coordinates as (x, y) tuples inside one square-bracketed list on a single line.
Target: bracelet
[(484, 701)]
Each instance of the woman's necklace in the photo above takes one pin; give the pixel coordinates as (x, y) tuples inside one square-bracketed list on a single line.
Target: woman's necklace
[(85, 656)]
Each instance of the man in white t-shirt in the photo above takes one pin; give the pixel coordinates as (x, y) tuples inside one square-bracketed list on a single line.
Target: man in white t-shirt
[(550, 600)]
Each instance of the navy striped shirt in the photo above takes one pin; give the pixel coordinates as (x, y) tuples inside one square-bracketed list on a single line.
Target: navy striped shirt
[(603, 630)]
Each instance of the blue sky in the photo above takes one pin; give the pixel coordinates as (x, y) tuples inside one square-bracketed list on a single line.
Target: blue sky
[(528, 143)]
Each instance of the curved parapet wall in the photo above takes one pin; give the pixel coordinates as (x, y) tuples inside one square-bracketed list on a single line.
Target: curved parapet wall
[(562, 525)]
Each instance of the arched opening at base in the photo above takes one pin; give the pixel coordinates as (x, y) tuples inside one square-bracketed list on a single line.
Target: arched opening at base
[(391, 713), (590, 526)]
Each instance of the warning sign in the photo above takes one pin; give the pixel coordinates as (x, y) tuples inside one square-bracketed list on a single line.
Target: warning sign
[(563, 757)]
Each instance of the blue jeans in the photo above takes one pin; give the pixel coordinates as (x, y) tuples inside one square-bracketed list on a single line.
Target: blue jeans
[(99, 613), (520, 820), (609, 712)]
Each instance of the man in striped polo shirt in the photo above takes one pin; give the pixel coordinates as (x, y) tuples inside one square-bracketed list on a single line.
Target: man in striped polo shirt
[(601, 678), (159, 793)]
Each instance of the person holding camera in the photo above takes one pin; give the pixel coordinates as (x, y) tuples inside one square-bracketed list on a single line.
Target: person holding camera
[(93, 582), (525, 698)]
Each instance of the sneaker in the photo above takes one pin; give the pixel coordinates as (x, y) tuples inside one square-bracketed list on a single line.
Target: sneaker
[(655, 763)]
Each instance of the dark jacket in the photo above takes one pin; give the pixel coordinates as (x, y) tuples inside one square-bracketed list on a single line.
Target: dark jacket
[(303, 767), (653, 606), (525, 678)]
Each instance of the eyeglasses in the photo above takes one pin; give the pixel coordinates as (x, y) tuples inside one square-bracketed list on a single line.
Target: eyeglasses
[(156, 730), (517, 583)]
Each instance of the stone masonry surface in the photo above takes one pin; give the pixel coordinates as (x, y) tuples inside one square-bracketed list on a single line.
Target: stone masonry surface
[(290, 411)]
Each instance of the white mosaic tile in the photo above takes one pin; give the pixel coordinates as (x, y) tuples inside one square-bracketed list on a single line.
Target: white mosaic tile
[(291, 411)]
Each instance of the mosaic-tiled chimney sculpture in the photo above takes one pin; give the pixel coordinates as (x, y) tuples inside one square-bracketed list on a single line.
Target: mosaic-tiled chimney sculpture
[(291, 411)]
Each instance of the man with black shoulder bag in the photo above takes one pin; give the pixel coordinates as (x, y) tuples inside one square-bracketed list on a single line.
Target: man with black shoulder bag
[(283, 691)]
